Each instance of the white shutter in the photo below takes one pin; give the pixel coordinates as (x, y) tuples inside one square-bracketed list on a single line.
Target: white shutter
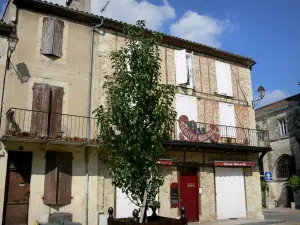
[(227, 120), (230, 193), (181, 67), (186, 105), (223, 74), (191, 71)]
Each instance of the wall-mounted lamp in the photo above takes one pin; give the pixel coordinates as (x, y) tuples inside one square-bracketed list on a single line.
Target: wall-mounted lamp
[(261, 94), (12, 43)]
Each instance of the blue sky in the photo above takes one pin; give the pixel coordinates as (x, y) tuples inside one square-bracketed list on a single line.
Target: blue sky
[(267, 31)]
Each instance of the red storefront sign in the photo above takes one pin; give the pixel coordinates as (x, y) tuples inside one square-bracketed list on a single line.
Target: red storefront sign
[(234, 163), (190, 135), (164, 162)]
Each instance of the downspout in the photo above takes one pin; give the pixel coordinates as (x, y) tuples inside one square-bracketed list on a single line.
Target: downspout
[(88, 127)]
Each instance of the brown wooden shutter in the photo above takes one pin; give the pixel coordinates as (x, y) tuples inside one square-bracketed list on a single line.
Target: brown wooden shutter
[(51, 173), (47, 36), (58, 38), (64, 178), (57, 94), (40, 109)]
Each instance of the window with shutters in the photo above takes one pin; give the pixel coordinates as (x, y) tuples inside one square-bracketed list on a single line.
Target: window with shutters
[(52, 37), (223, 74), (58, 178), (47, 104), (184, 68)]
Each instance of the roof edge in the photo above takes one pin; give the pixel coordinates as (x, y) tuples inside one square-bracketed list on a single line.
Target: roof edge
[(290, 98), (91, 19)]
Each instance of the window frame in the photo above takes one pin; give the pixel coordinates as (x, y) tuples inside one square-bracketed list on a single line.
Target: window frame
[(189, 68), (288, 167), (282, 127)]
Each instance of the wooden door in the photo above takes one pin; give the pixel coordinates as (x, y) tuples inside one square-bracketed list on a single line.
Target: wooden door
[(189, 195), (17, 188)]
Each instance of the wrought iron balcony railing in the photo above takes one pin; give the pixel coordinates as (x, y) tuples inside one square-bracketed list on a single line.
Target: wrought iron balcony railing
[(212, 133), (32, 124)]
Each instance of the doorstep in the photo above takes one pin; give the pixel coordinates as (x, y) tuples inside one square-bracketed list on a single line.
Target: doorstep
[(239, 222)]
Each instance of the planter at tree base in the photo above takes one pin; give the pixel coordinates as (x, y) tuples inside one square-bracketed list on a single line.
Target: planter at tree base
[(151, 220)]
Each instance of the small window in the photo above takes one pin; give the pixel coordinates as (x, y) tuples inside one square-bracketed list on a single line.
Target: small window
[(58, 178), (52, 37), (282, 126), (284, 167)]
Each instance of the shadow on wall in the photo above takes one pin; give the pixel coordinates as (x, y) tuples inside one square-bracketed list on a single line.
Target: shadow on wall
[(22, 72)]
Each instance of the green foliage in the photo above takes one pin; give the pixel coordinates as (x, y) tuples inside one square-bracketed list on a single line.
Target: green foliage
[(263, 184), (138, 115), (295, 183)]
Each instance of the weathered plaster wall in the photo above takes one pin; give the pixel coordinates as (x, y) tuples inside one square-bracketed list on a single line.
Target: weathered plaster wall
[(40, 212)]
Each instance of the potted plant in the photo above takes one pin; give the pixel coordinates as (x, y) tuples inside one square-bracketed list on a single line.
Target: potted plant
[(295, 185)]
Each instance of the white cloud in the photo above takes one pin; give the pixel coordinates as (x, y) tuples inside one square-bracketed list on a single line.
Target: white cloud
[(131, 10), (200, 28), (270, 97)]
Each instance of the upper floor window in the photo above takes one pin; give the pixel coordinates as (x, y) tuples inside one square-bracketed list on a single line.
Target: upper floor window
[(224, 82), (52, 37), (184, 68), (282, 126)]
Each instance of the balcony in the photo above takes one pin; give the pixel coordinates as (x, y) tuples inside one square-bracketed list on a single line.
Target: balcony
[(38, 125), (190, 133)]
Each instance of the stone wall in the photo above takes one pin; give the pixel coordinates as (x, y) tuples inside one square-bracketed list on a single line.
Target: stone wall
[(207, 209), (287, 145)]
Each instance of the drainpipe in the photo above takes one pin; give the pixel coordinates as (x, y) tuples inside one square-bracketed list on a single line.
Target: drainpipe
[(88, 127)]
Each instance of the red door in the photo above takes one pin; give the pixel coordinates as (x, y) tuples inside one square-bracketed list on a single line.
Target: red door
[(17, 188), (189, 195)]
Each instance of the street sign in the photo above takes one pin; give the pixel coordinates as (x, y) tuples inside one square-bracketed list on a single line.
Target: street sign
[(268, 176)]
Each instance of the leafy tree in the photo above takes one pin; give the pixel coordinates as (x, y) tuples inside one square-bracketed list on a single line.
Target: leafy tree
[(137, 116)]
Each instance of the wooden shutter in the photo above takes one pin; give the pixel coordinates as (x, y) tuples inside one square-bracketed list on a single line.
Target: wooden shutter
[(181, 67), (40, 109), (58, 38), (64, 178), (47, 36), (224, 82), (56, 110), (50, 192)]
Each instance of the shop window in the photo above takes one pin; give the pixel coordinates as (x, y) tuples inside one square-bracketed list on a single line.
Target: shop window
[(58, 178), (284, 167)]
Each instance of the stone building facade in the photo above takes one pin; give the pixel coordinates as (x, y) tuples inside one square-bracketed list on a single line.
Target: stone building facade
[(45, 121), (282, 120)]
